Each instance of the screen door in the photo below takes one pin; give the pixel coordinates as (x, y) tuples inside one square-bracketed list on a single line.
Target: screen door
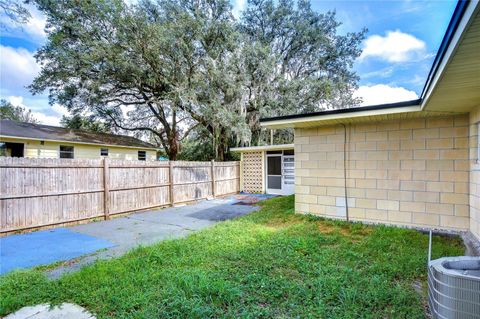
[(274, 174)]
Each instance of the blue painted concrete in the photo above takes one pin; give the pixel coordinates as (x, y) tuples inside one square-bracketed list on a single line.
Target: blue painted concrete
[(46, 247)]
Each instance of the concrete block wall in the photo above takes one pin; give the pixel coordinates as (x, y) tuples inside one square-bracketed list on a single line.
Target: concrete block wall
[(474, 174), (412, 172)]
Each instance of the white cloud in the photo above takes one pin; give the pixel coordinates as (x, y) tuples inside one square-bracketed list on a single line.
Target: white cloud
[(18, 68), (381, 94), (395, 46), (33, 30), (61, 110), (47, 119), (43, 118), (238, 7), (36, 25), (16, 100), (383, 73)]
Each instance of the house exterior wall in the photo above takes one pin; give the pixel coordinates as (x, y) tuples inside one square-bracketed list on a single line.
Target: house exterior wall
[(474, 174), (412, 172), (50, 149), (253, 172)]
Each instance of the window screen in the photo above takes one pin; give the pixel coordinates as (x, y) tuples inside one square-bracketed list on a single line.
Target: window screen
[(274, 164), (66, 151), (274, 182), (104, 152), (142, 155)]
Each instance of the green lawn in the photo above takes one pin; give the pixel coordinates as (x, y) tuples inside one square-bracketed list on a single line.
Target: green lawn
[(272, 263)]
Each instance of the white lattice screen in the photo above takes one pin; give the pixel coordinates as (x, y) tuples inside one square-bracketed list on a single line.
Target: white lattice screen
[(252, 172)]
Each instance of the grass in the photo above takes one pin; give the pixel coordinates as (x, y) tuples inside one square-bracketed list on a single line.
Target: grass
[(272, 263)]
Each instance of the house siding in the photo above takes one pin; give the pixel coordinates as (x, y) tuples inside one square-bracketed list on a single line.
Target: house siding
[(34, 149), (474, 174), (412, 172)]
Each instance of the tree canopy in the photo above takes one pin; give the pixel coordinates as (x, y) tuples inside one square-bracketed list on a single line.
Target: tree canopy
[(15, 113), (186, 72), (14, 10), (87, 123)]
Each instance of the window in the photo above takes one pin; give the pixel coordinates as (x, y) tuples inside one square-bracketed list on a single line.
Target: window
[(66, 151), (104, 152), (11, 149), (142, 155), (3, 149)]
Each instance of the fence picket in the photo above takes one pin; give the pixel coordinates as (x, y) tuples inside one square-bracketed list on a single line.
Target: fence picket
[(46, 192)]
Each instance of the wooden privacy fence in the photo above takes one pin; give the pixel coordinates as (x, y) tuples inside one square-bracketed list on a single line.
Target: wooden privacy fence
[(44, 192)]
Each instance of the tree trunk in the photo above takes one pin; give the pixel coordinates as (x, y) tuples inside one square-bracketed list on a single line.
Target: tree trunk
[(222, 146), (173, 142), (172, 153), (256, 135)]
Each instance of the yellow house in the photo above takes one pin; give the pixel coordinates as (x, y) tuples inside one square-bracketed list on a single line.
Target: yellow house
[(18, 139)]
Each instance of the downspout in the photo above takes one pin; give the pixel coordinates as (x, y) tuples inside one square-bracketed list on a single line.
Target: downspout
[(345, 170)]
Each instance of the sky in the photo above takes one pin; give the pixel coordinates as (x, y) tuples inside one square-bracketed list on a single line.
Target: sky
[(398, 51)]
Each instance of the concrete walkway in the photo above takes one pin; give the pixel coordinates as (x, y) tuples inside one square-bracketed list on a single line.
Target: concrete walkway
[(153, 226)]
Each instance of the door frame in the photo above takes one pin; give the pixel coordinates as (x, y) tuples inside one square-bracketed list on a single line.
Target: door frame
[(274, 191)]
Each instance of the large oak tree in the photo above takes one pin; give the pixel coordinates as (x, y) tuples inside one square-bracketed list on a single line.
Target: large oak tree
[(164, 69)]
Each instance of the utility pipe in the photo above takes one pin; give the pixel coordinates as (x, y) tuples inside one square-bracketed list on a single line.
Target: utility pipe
[(345, 170)]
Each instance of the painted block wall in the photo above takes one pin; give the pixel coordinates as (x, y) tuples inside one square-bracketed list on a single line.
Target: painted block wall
[(50, 149), (474, 173), (412, 172)]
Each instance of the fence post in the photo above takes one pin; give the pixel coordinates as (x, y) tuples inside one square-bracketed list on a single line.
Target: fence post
[(106, 189), (213, 178), (170, 178)]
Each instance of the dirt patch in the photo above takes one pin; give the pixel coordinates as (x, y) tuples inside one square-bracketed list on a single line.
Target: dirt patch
[(354, 234), (365, 231), (245, 199), (325, 228)]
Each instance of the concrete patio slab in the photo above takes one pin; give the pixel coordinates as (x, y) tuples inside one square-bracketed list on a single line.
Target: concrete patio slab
[(150, 227), (221, 213), (44, 311), (128, 232)]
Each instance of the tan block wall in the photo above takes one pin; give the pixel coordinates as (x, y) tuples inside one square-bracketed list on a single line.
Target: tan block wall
[(474, 174), (412, 172), (252, 172)]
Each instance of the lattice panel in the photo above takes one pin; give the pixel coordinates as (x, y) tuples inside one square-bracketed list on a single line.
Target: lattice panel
[(252, 172)]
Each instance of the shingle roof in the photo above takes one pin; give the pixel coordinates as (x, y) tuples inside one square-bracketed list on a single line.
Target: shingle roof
[(46, 132)]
